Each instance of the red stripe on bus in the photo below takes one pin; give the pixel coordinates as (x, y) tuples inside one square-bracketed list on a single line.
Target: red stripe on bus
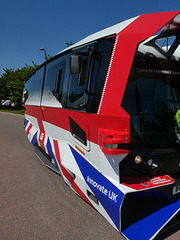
[(78, 190), (64, 171), (67, 175), (29, 128)]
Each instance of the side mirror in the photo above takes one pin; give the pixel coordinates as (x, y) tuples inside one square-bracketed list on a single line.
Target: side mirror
[(75, 65)]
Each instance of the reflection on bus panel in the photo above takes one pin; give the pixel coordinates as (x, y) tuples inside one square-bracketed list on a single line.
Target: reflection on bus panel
[(105, 114)]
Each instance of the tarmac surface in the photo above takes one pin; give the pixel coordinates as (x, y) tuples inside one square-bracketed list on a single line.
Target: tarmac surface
[(35, 203)]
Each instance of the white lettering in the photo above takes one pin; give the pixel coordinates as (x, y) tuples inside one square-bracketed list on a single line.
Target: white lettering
[(102, 189), (112, 196), (162, 71)]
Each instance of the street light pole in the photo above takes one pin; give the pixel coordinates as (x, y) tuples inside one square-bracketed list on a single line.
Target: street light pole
[(42, 49)]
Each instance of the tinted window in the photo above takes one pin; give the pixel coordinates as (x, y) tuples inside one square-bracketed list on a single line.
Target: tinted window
[(77, 97), (56, 82), (28, 90), (38, 82), (85, 90), (152, 99), (100, 66), (33, 88)]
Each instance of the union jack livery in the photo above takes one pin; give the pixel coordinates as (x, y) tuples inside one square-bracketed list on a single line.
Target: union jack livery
[(105, 114)]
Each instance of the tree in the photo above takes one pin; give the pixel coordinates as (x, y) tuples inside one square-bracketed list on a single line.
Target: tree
[(47, 57), (68, 44), (12, 82)]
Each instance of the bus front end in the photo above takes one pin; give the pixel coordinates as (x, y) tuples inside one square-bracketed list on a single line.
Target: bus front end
[(145, 76)]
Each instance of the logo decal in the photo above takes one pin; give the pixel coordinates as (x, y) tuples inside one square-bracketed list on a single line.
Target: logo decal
[(102, 189)]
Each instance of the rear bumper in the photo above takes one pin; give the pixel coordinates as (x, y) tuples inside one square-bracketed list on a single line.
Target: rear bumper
[(150, 225)]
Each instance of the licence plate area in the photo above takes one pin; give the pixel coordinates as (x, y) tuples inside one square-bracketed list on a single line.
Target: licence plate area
[(176, 189)]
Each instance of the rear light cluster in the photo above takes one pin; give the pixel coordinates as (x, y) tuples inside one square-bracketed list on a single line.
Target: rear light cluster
[(110, 140)]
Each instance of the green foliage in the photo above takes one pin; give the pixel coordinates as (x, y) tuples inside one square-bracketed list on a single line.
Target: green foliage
[(68, 44), (12, 82), (47, 57)]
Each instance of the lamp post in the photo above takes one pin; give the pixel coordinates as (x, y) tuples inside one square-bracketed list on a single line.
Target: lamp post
[(42, 49)]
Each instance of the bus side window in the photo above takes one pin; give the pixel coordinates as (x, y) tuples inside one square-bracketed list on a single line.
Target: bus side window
[(60, 88), (33, 88), (77, 97), (85, 89), (56, 82), (38, 83), (99, 70)]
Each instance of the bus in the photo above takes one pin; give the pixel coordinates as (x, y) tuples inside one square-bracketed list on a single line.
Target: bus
[(105, 114)]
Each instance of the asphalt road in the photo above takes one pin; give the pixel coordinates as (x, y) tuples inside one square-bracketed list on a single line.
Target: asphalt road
[(35, 203)]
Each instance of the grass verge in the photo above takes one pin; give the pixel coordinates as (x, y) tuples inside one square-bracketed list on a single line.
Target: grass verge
[(16, 111)]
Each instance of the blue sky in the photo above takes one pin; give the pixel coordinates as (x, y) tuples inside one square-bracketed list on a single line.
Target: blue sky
[(28, 25)]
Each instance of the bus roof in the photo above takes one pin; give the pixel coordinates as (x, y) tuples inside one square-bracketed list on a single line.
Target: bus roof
[(117, 28), (113, 30)]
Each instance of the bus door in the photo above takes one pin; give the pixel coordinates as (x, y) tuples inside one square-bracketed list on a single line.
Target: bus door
[(88, 69), (78, 102), (81, 61)]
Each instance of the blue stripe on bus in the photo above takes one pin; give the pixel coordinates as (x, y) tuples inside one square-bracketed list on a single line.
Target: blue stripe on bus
[(34, 140), (150, 225), (50, 152), (108, 195), (25, 122)]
